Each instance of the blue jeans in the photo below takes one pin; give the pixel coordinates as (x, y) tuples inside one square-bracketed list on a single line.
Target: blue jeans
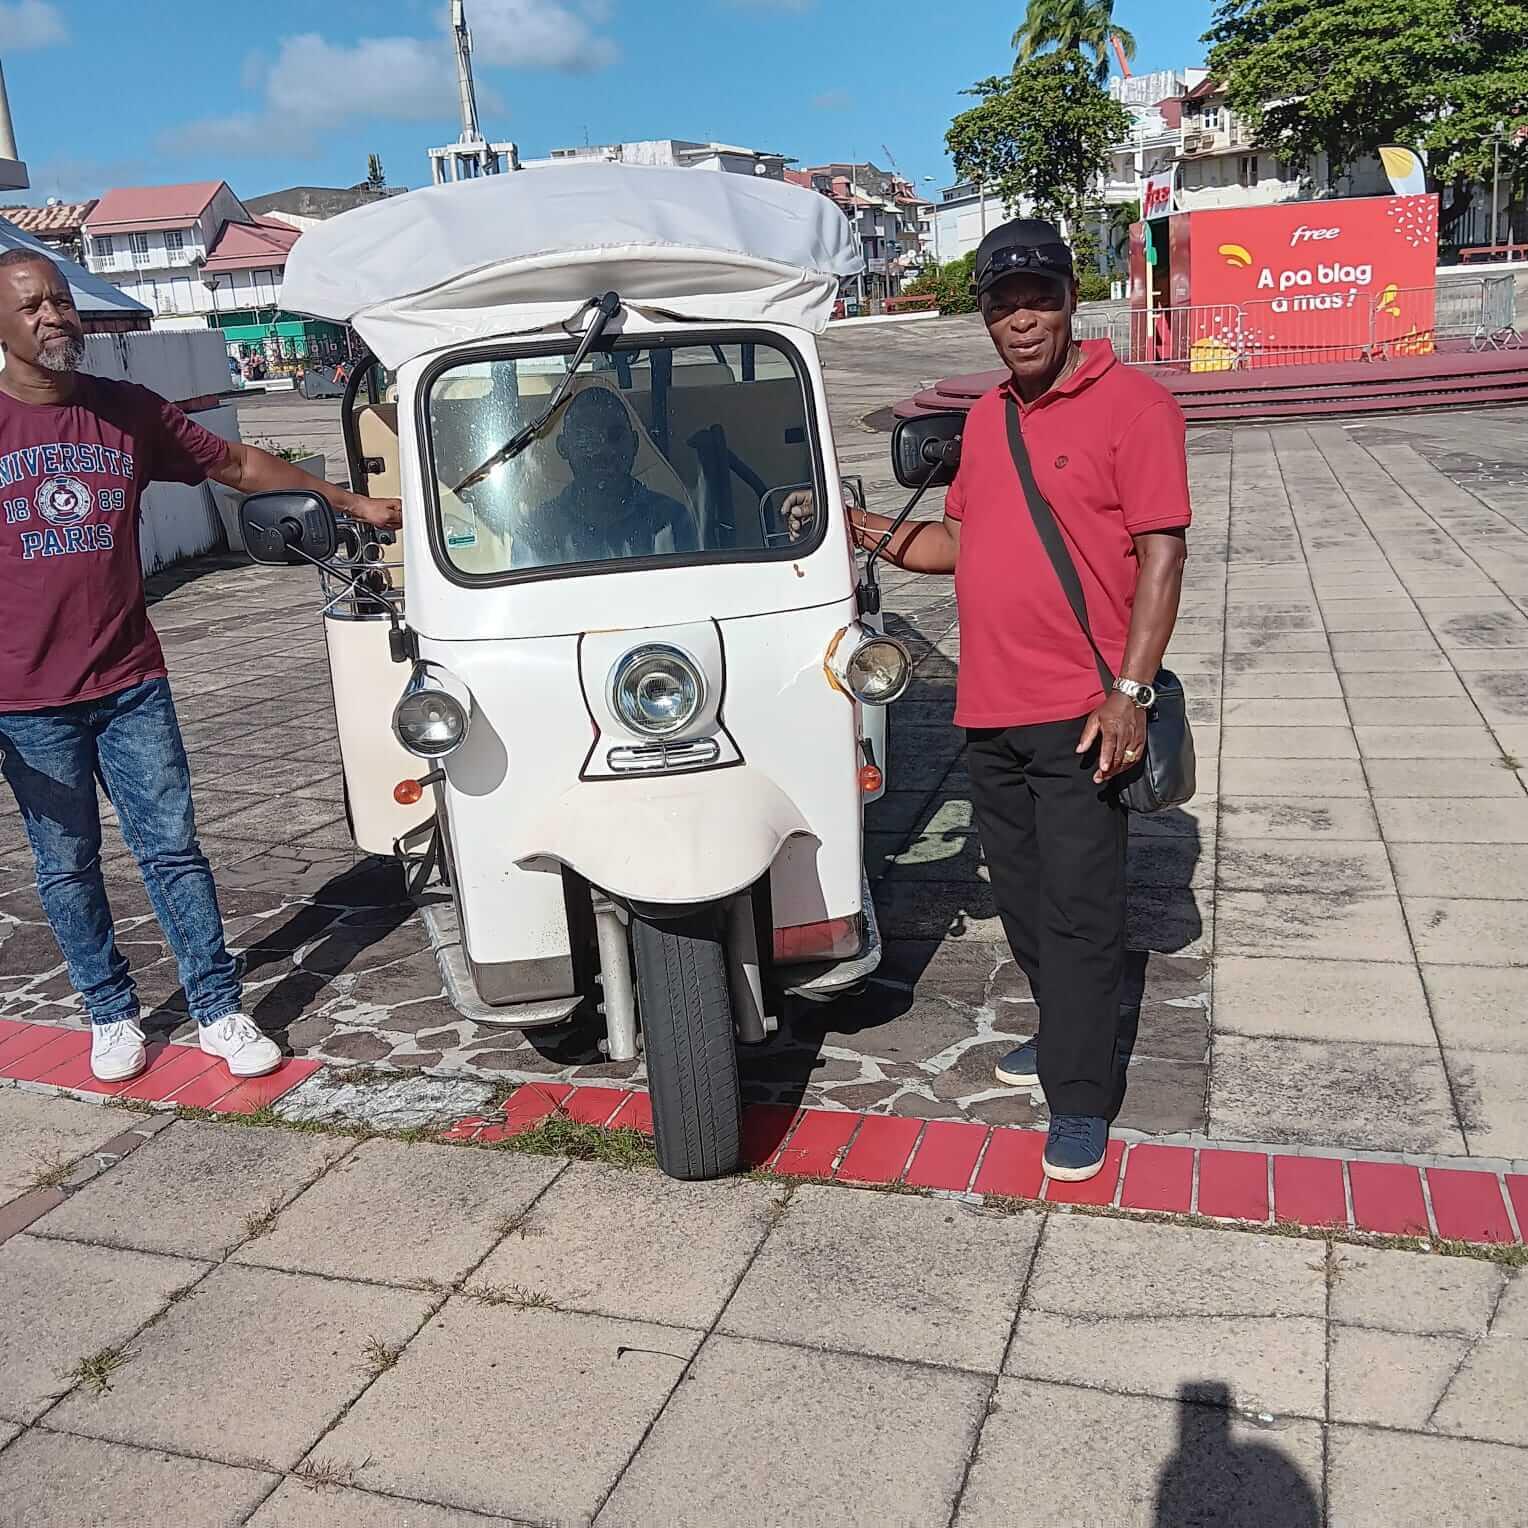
[(131, 741)]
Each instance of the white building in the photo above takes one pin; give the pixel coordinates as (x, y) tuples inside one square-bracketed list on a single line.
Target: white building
[(958, 222), (680, 153), (187, 251)]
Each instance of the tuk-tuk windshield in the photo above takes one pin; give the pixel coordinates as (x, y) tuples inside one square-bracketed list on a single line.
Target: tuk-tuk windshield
[(667, 451)]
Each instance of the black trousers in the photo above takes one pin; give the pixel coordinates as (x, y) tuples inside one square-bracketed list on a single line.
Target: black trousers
[(1055, 849)]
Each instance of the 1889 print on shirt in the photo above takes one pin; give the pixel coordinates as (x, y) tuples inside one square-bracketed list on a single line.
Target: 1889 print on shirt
[(73, 622)]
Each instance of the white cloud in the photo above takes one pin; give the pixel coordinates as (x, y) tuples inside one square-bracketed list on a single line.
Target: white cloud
[(541, 34), (31, 24), (313, 86)]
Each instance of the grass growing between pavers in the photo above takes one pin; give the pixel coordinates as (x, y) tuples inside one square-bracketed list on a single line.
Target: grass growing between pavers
[(95, 1371)]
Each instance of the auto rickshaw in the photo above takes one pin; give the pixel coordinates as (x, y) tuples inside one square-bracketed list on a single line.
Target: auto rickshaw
[(615, 696)]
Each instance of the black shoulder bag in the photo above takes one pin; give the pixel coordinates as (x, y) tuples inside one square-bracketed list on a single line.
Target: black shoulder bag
[(1165, 776)]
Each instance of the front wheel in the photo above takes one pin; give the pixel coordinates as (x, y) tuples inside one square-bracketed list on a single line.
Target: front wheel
[(686, 1015)]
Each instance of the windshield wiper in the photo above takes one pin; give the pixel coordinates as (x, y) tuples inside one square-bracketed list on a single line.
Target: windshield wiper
[(605, 308)]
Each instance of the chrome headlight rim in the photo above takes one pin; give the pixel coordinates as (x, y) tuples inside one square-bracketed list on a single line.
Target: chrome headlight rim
[(877, 642), (422, 690), (624, 701)]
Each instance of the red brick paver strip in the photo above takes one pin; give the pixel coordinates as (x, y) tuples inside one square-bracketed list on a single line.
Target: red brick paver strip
[(1387, 1198), (635, 1114), (171, 1072), (1096, 1190), (593, 1106), (37, 1061), (527, 1107), (765, 1127), (30, 1037), (253, 1093), (1468, 1205), (1233, 1185), (947, 1155), (1307, 1191), (1012, 1164), (1159, 1178), (815, 1143), (881, 1149), (1517, 1191)]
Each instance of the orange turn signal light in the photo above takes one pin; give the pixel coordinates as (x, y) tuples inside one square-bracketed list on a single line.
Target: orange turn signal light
[(407, 792), (871, 779)]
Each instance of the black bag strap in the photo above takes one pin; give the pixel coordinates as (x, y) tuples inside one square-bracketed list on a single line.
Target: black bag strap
[(1051, 538)]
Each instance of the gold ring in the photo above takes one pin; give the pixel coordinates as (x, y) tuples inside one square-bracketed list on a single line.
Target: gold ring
[(1132, 753)]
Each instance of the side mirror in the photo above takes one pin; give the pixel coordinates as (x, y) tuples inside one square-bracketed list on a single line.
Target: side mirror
[(929, 440), (287, 527)]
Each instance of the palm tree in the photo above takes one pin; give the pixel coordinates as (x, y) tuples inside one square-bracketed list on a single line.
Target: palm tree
[(1070, 26)]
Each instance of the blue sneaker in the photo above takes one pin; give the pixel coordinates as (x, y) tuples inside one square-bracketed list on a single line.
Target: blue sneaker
[(1021, 1068), (1075, 1146)]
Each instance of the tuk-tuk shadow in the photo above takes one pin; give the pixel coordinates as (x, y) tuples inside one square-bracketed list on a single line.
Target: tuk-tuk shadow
[(944, 953), (323, 939)]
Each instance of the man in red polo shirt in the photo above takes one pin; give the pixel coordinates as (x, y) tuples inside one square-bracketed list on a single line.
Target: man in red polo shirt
[(1044, 742)]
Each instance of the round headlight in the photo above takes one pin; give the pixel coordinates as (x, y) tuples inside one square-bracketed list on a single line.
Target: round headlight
[(657, 691), (430, 723), (878, 671)]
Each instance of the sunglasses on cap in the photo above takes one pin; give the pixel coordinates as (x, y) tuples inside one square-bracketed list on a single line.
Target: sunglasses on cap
[(1047, 259)]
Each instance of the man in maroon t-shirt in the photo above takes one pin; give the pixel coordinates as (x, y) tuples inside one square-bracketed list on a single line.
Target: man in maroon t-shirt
[(83, 691), (1043, 738)]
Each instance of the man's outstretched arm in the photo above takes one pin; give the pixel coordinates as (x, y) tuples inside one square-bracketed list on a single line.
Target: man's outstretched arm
[(248, 469)]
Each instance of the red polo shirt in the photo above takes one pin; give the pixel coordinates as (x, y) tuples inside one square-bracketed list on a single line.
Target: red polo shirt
[(1107, 446)]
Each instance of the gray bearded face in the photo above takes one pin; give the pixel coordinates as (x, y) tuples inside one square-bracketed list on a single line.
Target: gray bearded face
[(61, 354)]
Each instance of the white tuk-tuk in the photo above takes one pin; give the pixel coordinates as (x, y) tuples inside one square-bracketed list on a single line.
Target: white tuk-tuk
[(615, 695)]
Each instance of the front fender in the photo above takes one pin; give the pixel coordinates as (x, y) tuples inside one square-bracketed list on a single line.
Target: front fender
[(669, 839)]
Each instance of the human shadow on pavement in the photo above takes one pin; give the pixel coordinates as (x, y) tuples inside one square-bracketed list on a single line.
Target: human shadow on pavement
[(346, 917), (1214, 1480)]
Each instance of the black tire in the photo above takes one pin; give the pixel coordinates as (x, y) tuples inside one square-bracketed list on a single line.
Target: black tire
[(686, 1015)]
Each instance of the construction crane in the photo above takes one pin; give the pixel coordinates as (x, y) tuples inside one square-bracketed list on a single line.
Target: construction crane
[(472, 155), (466, 94)]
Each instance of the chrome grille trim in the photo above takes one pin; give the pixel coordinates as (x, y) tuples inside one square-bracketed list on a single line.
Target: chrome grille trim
[(655, 758)]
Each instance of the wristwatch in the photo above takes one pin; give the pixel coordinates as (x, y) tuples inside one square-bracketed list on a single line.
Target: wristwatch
[(1144, 695)]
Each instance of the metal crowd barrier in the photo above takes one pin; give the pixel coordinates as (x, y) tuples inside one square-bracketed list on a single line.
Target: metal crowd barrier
[(1331, 328)]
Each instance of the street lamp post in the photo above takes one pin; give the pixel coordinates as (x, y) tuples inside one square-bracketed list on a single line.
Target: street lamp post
[(1497, 135)]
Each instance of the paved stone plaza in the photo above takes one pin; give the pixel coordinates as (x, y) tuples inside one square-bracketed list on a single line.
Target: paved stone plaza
[(301, 1326), (1329, 941), (224, 1324)]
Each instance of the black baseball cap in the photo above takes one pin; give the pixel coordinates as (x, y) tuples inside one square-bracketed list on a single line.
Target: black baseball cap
[(1024, 244)]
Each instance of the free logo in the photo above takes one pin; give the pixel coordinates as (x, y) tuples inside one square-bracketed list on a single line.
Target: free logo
[(63, 500)]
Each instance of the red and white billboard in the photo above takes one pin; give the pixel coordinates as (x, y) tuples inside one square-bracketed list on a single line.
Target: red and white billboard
[(1330, 281), (1327, 280)]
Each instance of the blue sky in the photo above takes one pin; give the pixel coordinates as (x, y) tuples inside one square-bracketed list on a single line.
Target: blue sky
[(291, 91)]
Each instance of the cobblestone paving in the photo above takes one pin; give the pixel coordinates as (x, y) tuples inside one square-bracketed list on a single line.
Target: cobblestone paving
[(1356, 861)]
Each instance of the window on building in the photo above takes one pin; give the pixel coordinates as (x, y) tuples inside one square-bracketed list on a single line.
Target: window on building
[(1247, 170), (173, 241), (139, 242), (102, 245)]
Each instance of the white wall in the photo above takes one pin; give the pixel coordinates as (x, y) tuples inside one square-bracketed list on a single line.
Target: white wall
[(177, 366), (178, 521)]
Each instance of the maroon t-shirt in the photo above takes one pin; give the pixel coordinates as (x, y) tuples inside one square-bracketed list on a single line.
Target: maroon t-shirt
[(73, 622)]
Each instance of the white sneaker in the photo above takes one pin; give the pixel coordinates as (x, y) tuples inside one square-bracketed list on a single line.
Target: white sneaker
[(235, 1038), (116, 1051)]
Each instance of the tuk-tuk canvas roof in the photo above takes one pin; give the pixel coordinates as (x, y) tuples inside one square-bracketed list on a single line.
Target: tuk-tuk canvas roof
[(514, 253)]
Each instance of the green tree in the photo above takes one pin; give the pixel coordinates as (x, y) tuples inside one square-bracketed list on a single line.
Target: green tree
[(1070, 26), (1342, 77), (950, 283), (1040, 135)]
